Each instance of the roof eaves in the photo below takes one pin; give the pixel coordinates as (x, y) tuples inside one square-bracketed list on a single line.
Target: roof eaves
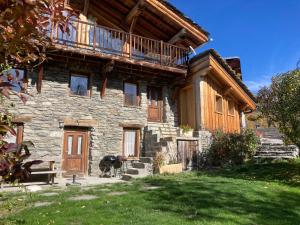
[(225, 65), (189, 20)]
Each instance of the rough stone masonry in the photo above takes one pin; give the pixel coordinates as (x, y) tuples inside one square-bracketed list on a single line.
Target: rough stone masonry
[(104, 116)]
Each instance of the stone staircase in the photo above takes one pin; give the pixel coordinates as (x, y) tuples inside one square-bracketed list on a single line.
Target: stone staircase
[(272, 146), (160, 137), (138, 169)]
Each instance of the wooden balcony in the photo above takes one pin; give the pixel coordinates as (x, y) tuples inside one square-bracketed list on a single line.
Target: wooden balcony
[(116, 44)]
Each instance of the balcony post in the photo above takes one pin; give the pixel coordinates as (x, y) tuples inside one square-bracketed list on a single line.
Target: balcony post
[(130, 45), (94, 37), (161, 52)]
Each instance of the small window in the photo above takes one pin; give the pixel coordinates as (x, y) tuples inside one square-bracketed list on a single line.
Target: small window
[(131, 143), (231, 108), (79, 85), (131, 94), (16, 78), (219, 104)]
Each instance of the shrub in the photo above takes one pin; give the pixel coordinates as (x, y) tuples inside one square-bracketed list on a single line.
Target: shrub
[(159, 161), (185, 128), (232, 149)]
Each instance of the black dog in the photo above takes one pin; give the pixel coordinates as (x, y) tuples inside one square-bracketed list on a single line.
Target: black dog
[(109, 162)]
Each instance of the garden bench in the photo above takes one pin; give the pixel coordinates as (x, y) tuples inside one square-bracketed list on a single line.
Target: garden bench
[(50, 170)]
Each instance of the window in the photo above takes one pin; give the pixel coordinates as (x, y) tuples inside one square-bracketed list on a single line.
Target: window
[(231, 108), (131, 143), (131, 97), (70, 144), (79, 85), (219, 104), (16, 78)]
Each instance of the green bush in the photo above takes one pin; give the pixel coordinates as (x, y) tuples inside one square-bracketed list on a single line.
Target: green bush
[(232, 149)]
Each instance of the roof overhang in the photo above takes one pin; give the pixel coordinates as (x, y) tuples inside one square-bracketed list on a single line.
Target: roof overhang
[(209, 65), (176, 16)]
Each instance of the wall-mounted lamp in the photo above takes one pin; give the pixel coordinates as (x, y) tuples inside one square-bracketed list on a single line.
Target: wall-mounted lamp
[(61, 124)]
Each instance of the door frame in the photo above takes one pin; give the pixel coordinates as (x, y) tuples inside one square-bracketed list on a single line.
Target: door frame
[(159, 103), (86, 153)]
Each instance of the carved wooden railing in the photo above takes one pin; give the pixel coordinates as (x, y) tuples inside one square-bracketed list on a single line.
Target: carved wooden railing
[(93, 37)]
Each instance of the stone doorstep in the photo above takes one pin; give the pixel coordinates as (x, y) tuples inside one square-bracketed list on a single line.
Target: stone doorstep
[(138, 165), (126, 177), (146, 159), (132, 171)]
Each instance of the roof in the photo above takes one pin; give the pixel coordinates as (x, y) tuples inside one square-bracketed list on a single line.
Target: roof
[(189, 20), (228, 69)]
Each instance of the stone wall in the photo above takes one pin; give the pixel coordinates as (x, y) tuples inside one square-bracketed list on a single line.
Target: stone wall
[(54, 104)]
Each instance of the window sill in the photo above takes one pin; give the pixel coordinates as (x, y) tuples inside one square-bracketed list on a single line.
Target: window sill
[(79, 96), (133, 106)]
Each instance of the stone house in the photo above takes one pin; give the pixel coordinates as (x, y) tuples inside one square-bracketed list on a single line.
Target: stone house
[(122, 82)]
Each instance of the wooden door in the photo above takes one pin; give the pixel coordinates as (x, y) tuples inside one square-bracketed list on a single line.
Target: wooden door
[(75, 152), (155, 104)]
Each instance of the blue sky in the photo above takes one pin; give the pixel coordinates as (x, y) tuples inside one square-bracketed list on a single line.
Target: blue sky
[(265, 34)]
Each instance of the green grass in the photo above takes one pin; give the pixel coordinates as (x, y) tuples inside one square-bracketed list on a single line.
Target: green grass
[(252, 194)]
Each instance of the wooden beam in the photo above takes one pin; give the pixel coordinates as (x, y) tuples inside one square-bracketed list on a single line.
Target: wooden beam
[(106, 21), (173, 16), (179, 36), (106, 69), (135, 11), (40, 78), (132, 24), (227, 90), (86, 7)]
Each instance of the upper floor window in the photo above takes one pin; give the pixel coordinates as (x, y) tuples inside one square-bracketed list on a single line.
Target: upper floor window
[(231, 108), (131, 96), (79, 85), (16, 79), (219, 104)]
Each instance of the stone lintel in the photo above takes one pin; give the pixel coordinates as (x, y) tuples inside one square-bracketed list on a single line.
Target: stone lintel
[(132, 125), (80, 122), (22, 119)]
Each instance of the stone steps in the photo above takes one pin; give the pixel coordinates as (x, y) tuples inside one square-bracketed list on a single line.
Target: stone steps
[(138, 169), (275, 149)]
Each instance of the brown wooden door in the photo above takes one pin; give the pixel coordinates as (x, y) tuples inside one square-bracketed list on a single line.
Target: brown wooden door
[(75, 152), (155, 104)]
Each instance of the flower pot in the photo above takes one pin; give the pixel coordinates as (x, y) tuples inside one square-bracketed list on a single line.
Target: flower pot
[(188, 133), (172, 168)]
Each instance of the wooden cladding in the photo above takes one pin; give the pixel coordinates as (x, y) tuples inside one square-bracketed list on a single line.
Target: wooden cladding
[(96, 38), (187, 107), (220, 112)]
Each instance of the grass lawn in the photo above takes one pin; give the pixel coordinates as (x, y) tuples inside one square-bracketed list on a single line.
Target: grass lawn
[(252, 194)]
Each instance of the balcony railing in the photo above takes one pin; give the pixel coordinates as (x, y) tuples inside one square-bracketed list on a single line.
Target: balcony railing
[(90, 36)]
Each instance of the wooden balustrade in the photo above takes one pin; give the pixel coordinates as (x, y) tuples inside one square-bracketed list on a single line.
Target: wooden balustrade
[(90, 36)]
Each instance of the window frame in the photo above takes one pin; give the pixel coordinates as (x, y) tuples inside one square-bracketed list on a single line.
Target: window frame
[(89, 88), (137, 146), (138, 98), (216, 104), (230, 101), (24, 86)]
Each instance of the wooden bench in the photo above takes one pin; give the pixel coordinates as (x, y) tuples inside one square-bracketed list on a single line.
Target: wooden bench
[(51, 171)]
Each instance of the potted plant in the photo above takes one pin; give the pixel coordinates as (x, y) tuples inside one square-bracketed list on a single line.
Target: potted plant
[(186, 131)]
